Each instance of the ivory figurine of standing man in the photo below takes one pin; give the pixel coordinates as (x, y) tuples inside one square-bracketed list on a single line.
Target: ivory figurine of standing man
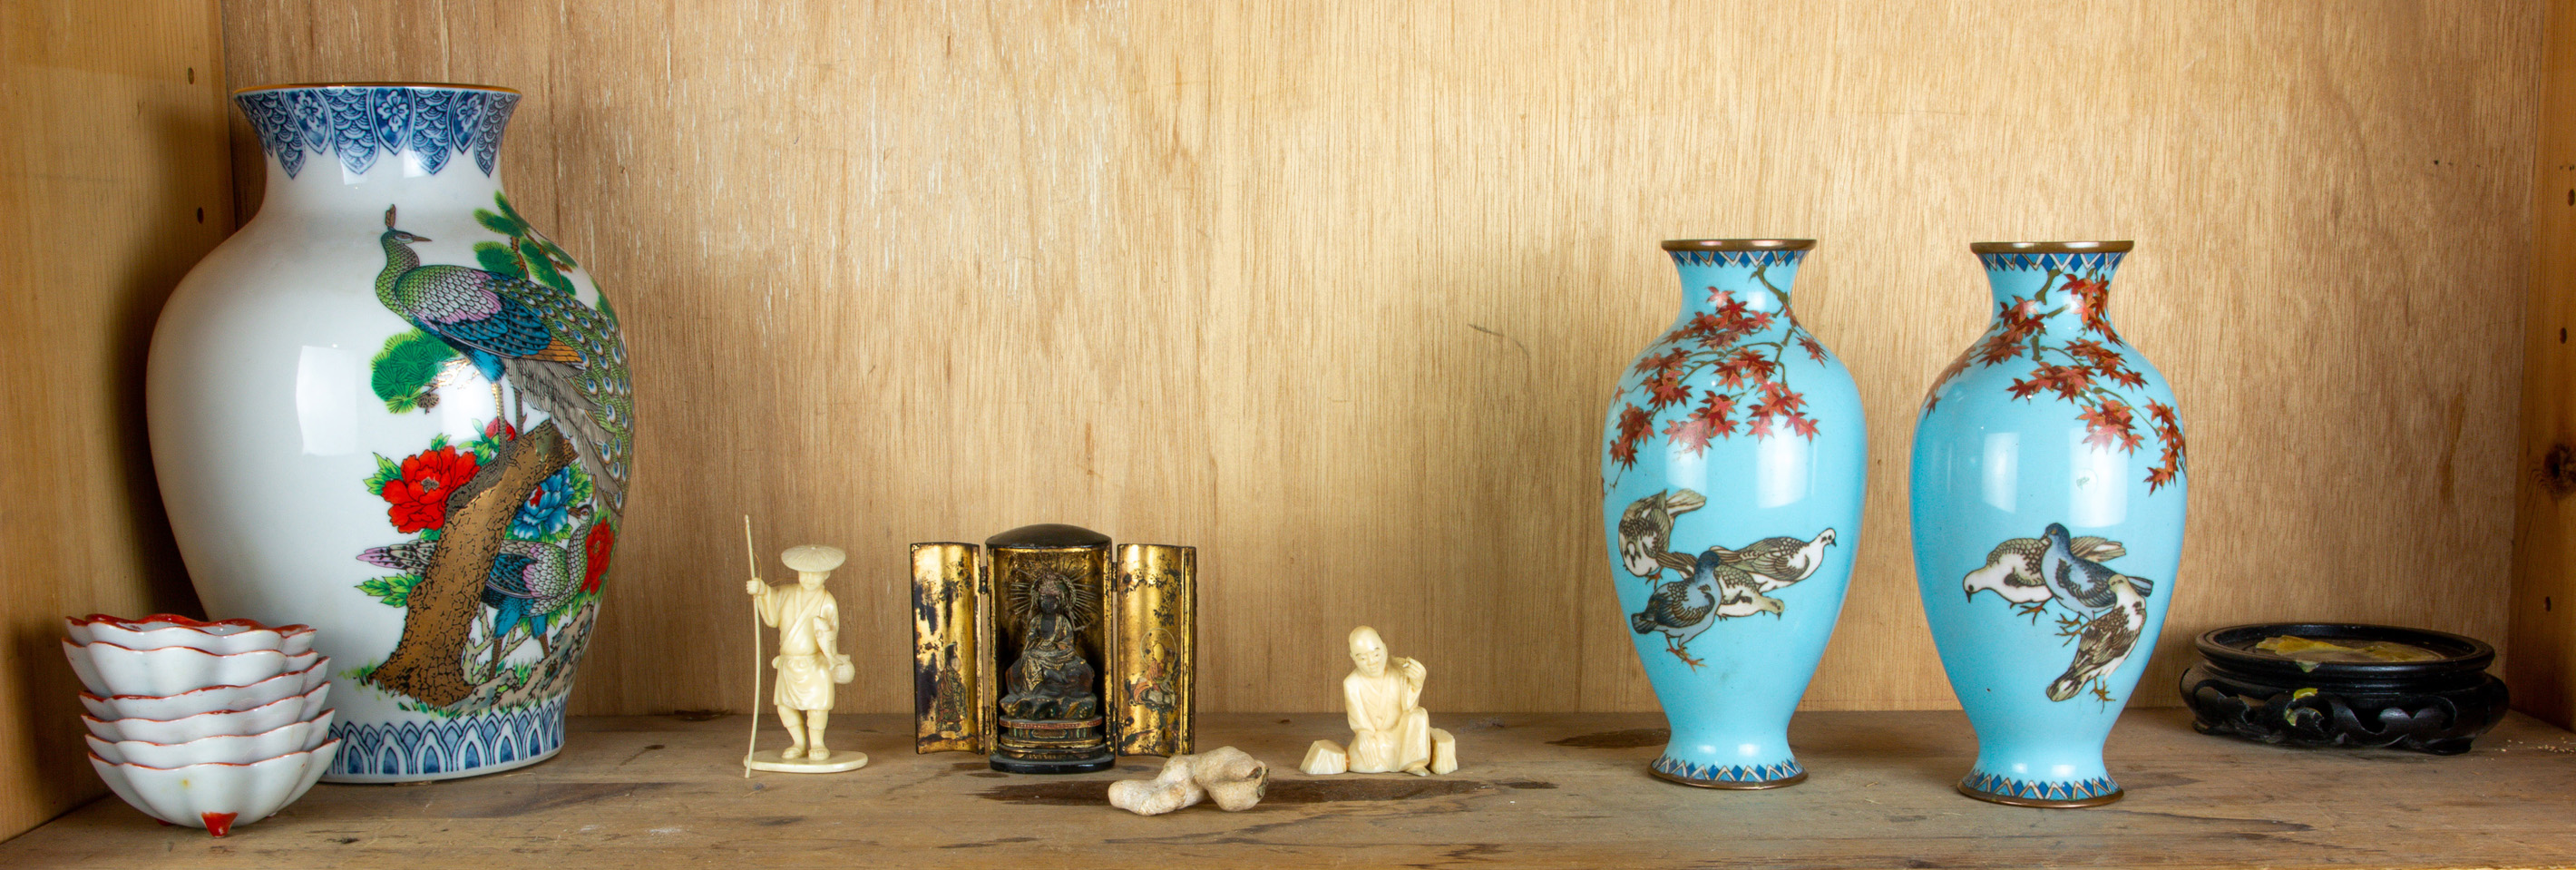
[(808, 662)]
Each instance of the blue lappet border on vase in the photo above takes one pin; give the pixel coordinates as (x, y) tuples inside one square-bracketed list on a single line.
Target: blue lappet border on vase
[(359, 122), (2077, 263), (2083, 789), (1679, 769), (1737, 258), (450, 745)]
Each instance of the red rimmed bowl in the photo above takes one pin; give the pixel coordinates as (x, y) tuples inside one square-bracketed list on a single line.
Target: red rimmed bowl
[(256, 720), (110, 669), (227, 749), (221, 637), (212, 699), (217, 796)]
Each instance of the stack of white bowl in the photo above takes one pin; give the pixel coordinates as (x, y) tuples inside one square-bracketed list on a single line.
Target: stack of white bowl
[(204, 724)]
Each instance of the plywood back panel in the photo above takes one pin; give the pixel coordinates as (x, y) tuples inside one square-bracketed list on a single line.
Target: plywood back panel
[(1336, 292), (114, 179), (2543, 671)]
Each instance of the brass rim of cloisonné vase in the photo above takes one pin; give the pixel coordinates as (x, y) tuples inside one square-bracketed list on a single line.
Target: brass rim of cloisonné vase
[(2009, 800), (1783, 782), (2118, 247), (436, 86), (1738, 244)]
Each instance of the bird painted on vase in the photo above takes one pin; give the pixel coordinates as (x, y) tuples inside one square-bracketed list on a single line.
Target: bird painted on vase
[(2105, 642), (1680, 610), (2079, 582), (1683, 608), (529, 582), (558, 354), (2012, 569), (1780, 561), (1646, 533)]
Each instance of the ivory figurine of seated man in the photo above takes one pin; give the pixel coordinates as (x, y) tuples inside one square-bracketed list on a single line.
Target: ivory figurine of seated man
[(1390, 731)]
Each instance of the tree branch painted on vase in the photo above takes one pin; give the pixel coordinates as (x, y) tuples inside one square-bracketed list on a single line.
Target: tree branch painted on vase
[(1723, 360), (2087, 371)]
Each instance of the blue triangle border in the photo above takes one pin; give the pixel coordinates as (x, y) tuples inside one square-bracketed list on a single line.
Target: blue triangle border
[(2069, 263), (1737, 258)]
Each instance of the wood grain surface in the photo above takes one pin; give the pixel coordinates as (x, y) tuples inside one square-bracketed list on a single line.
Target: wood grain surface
[(113, 181), (2542, 671), (1534, 790), (1336, 292)]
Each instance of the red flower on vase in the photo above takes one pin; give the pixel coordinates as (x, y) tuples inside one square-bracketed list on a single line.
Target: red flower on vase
[(418, 498), (595, 548)]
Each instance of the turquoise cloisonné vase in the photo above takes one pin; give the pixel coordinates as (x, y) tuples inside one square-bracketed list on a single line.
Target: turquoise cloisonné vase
[(1731, 497), (2048, 493)]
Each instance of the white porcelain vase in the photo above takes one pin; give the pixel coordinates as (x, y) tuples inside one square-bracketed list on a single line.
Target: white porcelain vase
[(390, 409)]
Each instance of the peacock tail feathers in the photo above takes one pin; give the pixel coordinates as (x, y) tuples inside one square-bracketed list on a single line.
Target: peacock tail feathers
[(604, 422)]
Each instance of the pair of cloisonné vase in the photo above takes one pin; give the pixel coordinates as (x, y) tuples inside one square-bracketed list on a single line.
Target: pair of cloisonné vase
[(2047, 507)]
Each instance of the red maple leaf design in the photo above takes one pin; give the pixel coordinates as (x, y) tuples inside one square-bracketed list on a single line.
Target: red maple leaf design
[(1715, 412), (2023, 389), (2092, 300), (1788, 400), (1815, 351), (2018, 322), (2168, 426), (1652, 362), (1692, 433), (2068, 381), (2105, 362), (1702, 325), (1745, 366), (1777, 401), (1803, 425), (1634, 424), (1665, 389), (2166, 422), (1996, 348), (2107, 424)]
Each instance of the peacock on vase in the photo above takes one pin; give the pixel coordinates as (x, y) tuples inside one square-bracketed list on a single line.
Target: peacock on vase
[(1731, 490), (2048, 496), (390, 408)]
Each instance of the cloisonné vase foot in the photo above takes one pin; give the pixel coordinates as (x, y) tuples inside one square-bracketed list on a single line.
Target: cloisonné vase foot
[(1731, 496), (390, 409), (2047, 503)]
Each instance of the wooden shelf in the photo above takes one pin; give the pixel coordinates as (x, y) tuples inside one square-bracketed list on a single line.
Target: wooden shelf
[(1554, 790)]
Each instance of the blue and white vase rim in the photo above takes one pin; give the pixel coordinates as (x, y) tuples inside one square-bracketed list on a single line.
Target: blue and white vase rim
[(417, 86)]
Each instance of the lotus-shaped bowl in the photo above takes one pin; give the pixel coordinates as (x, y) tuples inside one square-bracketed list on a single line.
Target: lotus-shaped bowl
[(222, 637), (263, 718), (228, 749), (217, 796), (213, 699), (109, 669)]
